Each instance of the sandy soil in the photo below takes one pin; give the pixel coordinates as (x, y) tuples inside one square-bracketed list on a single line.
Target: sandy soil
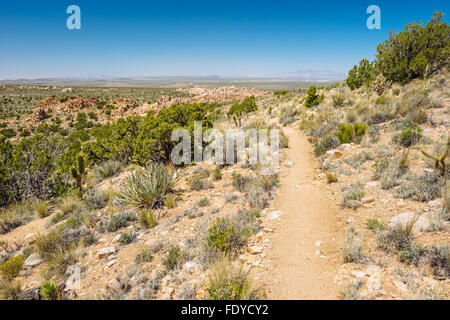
[(304, 254)]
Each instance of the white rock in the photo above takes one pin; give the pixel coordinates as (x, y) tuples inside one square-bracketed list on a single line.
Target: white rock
[(372, 183), (274, 215), (336, 153), (33, 260), (400, 285), (435, 203), (318, 243), (190, 266), (358, 274), (105, 252), (29, 237), (367, 199), (110, 263), (374, 281), (422, 224), (254, 249), (289, 164)]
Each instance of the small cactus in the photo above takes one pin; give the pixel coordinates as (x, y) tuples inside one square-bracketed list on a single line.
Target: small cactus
[(78, 171)]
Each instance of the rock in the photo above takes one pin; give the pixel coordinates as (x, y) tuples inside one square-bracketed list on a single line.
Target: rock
[(254, 249), (336, 153), (400, 285), (318, 243), (422, 224), (33, 260), (29, 236), (111, 263), (32, 294), (367, 199), (259, 236), (374, 281), (190, 266), (289, 164), (165, 281), (371, 184), (435, 203), (430, 282), (274, 215), (358, 274), (105, 252), (117, 238), (372, 269)]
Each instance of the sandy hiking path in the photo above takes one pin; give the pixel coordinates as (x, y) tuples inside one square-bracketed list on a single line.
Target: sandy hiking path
[(304, 247)]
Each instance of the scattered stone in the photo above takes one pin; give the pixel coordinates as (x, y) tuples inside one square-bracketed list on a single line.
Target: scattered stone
[(336, 153), (254, 249), (318, 243), (374, 281), (372, 184), (367, 199), (288, 164), (274, 215), (190, 266), (400, 285), (33, 260), (435, 203), (358, 274), (422, 224), (105, 252), (259, 236), (111, 263)]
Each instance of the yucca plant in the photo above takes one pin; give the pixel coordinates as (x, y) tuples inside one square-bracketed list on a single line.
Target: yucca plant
[(49, 291), (147, 187)]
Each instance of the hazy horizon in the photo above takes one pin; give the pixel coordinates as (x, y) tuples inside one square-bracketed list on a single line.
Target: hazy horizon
[(195, 38)]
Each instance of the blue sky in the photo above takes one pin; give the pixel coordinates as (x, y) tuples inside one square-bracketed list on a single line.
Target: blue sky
[(154, 38)]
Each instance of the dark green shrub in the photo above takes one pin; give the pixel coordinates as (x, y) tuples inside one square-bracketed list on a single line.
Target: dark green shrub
[(415, 52), (409, 136), (359, 75), (312, 98)]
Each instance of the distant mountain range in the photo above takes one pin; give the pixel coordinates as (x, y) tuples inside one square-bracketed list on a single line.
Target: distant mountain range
[(300, 77)]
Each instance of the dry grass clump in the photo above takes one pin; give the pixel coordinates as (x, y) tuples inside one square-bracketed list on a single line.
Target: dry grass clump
[(228, 280), (15, 216), (107, 169), (352, 249), (350, 290), (353, 196)]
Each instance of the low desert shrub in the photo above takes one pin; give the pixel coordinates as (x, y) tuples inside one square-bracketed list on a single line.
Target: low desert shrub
[(353, 196), (148, 219), (107, 169), (229, 281), (351, 132), (422, 188), (12, 267), (116, 222), (352, 250)]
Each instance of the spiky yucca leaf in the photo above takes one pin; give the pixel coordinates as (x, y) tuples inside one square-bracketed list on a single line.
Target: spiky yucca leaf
[(147, 187)]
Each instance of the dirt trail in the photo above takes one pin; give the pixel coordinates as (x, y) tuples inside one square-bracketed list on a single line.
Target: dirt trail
[(296, 268)]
